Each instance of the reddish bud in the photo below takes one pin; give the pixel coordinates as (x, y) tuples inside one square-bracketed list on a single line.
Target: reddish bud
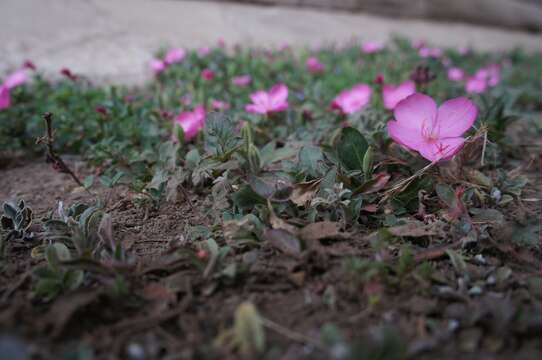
[(29, 65), (101, 110), (67, 73), (379, 79), (202, 254)]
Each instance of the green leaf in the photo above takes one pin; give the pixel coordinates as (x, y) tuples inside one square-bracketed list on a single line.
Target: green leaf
[(310, 160), (89, 180), (10, 211), (446, 194), (73, 279), (351, 149), (246, 198)]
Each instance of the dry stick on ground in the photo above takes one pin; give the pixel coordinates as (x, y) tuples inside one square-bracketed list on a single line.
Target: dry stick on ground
[(51, 157), (290, 334)]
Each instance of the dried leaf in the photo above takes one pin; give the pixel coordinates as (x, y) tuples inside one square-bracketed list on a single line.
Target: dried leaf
[(284, 241), (377, 183), (415, 228), (278, 223), (457, 261), (321, 230), (304, 192)]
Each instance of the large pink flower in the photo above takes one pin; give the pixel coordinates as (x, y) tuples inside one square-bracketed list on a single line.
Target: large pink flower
[(242, 80), (157, 66), (491, 73), (370, 47), (475, 85), (204, 51), (264, 102), (393, 94), (314, 65), (428, 52), (207, 74), (191, 121), (174, 55), (5, 98), (436, 133), (16, 78), (351, 100), (219, 105), (456, 74)]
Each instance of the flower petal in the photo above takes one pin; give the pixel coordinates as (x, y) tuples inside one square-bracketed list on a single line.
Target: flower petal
[(191, 121), (5, 99), (416, 112), (256, 109), (278, 94), (260, 98), (441, 149), (393, 94), (409, 138), (15, 79), (455, 116)]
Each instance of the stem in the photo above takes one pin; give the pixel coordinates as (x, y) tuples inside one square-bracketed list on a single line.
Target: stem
[(51, 156), (403, 183)]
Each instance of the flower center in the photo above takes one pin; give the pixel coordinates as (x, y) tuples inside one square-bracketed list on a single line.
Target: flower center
[(427, 132)]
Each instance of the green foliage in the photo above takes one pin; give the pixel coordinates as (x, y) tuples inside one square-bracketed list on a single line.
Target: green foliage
[(52, 278), (16, 220)]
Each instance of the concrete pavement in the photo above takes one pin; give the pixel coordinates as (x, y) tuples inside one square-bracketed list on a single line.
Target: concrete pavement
[(112, 40)]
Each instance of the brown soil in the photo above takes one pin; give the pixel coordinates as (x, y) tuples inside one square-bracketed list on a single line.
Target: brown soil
[(183, 318)]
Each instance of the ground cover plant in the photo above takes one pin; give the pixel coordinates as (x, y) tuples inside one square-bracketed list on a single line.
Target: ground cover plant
[(357, 201)]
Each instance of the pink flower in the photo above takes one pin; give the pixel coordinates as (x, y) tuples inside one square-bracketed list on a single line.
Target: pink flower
[(314, 65), (418, 44), (446, 61), (264, 102), (351, 100), (393, 94), (427, 52), (157, 66), (204, 51), (221, 43), (5, 98), (370, 47), (436, 133), (219, 105), (493, 74), (464, 50), (456, 74), (191, 121), (207, 74), (174, 55), (14, 79), (242, 80), (475, 85)]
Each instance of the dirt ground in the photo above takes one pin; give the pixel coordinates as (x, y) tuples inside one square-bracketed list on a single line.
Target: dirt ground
[(179, 312)]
